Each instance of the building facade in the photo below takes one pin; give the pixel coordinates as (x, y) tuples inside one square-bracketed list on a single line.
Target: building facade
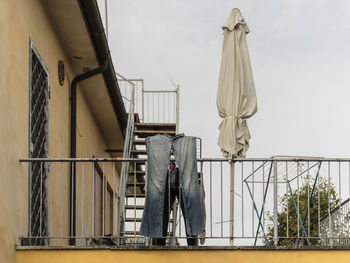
[(44, 46)]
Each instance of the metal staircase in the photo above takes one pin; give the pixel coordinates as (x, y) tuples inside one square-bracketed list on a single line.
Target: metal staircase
[(159, 115), (135, 187)]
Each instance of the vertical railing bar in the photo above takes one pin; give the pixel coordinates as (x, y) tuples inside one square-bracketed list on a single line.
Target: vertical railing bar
[(287, 199), (72, 193), (298, 171), (134, 199), (103, 199), (163, 99), (211, 202), (168, 193), (275, 204), (93, 201), (177, 108), (30, 198), (153, 119), (329, 205), (41, 197), (242, 200), (308, 198), (318, 206), (143, 103), (51, 207), (174, 108), (169, 107), (340, 208), (61, 202), (113, 210), (147, 108), (232, 202), (82, 199), (339, 171), (134, 100), (253, 192), (221, 200)]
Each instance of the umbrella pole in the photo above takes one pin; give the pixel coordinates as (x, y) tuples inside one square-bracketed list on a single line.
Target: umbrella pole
[(232, 203)]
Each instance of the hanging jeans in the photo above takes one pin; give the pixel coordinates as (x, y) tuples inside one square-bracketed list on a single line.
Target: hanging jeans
[(172, 192), (158, 152)]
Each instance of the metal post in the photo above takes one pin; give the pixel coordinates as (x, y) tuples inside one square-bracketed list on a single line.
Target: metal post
[(232, 203), (93, 201), (143, 103), (275, 204), (242, 202), (177, 107), (221, 195), (61, 201), (113, 224), (211, 198), (103, 199), (41, 198), (287, 199), (330, 223), (82, 199), (50, 171), (30, 201)]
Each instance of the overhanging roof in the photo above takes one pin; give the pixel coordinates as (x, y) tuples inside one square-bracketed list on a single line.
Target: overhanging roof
[(79, 27)]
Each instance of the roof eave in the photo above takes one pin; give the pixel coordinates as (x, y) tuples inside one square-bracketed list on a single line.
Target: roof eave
[(93, 22)]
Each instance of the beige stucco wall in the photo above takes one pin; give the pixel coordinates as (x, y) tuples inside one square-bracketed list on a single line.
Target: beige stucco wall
[(21, 20), (185, 255)]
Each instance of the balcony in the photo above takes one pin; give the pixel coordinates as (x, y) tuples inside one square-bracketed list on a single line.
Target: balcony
[(245, 203), (266, 209)]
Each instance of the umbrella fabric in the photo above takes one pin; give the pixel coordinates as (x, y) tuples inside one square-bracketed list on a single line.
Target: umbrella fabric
[(236, 97)]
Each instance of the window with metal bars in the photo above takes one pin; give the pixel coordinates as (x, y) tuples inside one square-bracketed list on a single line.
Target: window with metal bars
[(38, 147)]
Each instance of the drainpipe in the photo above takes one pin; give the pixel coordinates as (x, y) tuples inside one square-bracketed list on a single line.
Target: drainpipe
[(73, 142)]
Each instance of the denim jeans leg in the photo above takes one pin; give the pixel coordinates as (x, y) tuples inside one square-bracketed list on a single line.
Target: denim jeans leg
[(158, 152), (186, 158)]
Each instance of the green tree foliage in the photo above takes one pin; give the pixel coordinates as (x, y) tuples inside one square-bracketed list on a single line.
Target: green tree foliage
[(325, 189)]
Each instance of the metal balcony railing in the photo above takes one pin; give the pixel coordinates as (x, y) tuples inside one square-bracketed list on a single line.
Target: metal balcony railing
[(281, 201), (153, 106)]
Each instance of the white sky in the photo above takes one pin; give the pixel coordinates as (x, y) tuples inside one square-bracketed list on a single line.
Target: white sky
[(300, 58)]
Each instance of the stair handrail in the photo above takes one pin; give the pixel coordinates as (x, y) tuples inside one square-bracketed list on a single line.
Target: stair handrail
[(125, 165)]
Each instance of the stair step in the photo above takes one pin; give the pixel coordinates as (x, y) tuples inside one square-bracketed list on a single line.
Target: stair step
[(132, 207), (137, 233), (138, 173), (146, 133), (138, 195), (139, 142), (137, 184), (139, 152), (132, 233), (138, 219), (131, 219), (156, 126)]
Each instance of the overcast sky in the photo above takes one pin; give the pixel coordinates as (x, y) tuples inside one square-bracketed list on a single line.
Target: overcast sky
[(300, 56)]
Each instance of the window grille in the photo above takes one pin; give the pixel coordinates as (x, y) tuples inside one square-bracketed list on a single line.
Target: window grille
[(39, 96)]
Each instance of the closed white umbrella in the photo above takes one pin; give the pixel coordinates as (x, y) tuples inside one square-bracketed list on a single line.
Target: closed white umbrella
[(236, 97)]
